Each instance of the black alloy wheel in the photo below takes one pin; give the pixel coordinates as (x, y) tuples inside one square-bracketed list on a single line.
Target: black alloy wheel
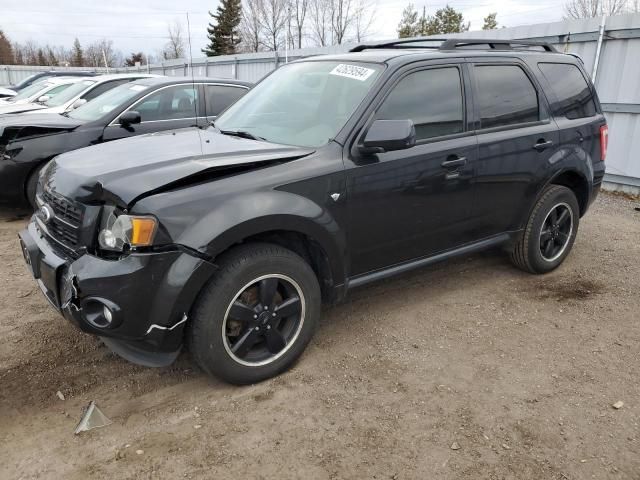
[(556, 231), (263, 320)]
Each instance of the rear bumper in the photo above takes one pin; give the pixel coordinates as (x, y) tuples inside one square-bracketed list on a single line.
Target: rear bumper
[(148, 295)]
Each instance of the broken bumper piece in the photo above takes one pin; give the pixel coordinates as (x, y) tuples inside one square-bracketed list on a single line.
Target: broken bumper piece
[(138, 304)]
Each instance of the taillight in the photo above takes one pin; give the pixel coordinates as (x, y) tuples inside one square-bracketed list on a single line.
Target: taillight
[(604, 141)]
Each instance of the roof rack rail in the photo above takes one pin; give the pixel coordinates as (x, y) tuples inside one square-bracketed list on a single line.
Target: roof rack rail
[(454, 43)]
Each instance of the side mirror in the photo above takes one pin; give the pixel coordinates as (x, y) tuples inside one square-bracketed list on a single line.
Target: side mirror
[(129, 118), (389, 135), (43, 98), (77, 103)]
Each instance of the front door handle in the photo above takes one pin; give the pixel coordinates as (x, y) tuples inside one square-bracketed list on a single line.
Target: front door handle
[(543, 144), (454, 162)]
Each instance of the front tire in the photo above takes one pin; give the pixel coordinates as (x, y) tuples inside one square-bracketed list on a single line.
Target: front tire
[(550, 232), (256, 316)]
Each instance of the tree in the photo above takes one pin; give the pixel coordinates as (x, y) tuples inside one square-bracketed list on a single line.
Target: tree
[(135, 58), (447, 20), (273, 18), (490, 22), (102, 50), (42, 60), (224, 36), (593, 8), (299, 9), (6, 50), (320, 11), (408, 26), (341, 19), (364, 16), (77, 56), (174, 47), (250, 28)]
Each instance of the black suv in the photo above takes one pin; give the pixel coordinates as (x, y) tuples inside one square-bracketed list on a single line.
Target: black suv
[(332, 172)]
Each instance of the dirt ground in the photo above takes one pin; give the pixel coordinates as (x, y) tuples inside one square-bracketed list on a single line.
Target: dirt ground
[(470, 369)]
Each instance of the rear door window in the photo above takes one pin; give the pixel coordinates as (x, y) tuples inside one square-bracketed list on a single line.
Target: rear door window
[(219, 97), (574, 99), (169, 103), (505, 96), (431, 98)]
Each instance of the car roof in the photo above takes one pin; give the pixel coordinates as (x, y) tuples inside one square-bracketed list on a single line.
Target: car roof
[(117, 76), (173, 80), (394, 55), (405, 50), (62, 80)]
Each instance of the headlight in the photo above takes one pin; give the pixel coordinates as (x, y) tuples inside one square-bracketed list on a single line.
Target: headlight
[(127, 231)]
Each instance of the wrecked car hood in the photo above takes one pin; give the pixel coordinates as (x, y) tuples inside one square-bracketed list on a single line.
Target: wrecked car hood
[(38, 124), (125, 170), (17, 107)]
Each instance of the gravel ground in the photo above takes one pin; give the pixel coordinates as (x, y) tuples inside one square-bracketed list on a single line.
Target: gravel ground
[(471, 369)]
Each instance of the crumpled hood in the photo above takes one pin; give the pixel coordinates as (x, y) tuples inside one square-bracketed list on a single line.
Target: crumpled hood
[(37, 124), (18, 107), (7, 92), (124, 170)]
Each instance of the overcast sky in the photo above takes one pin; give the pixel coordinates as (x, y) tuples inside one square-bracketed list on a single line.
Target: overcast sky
[(142, 25)]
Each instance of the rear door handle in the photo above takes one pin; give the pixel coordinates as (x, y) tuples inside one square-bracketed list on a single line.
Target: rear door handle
[(543, 144), (454, 162)]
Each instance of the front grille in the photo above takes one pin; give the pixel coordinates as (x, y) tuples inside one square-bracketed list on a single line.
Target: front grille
[(65, 224)]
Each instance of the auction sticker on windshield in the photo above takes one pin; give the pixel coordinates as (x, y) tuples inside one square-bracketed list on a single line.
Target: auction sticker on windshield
[(352, 71)]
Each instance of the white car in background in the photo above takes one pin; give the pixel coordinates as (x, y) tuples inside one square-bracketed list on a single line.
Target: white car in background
[(38, 92), (84, 91)]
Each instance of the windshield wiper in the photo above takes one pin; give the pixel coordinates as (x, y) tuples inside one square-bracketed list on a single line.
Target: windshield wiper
[(242, 134)]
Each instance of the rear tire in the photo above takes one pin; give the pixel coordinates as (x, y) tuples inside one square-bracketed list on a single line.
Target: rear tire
[(256, 316), (550, 231)]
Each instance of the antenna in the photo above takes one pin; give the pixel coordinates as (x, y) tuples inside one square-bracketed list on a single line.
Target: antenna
[(193, 80)]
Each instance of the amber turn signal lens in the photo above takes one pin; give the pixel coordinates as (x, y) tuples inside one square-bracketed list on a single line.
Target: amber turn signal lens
[(143, 230)]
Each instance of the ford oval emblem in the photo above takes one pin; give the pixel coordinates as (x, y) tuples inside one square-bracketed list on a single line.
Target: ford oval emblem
[(45, 213)]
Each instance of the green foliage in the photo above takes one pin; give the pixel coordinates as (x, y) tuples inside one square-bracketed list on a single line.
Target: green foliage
[(446, 20), (490, 22), (224, 35), (408, 25), (77, 55)]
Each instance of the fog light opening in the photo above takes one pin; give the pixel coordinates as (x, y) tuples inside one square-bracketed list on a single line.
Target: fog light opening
[(100, 313)]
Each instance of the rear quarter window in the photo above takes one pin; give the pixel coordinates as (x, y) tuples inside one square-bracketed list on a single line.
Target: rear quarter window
[(506, 96), (573, 97)]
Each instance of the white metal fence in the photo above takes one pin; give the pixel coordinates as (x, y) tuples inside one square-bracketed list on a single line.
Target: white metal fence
[(617, 75)]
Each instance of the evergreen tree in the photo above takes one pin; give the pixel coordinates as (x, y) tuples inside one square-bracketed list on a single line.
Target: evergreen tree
[(490, 22), (408, 26), (77, 55), (42, 60), (135, 57), (447, 20), (6, 50), (224, 35)]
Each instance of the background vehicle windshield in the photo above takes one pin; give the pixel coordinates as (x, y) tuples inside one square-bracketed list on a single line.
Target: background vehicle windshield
[(303, 104), (71, 92), (105, 103), (29, 92)]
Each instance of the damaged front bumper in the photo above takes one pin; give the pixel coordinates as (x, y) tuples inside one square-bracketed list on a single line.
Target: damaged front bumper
[(138, 304)]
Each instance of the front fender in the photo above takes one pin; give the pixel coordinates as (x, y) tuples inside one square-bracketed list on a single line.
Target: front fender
[(262, 212)]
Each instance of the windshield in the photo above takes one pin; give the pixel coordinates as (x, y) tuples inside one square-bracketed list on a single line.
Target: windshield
[(70, 93), (105, 103), (30, 91), (303, 104), (30, 79)]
